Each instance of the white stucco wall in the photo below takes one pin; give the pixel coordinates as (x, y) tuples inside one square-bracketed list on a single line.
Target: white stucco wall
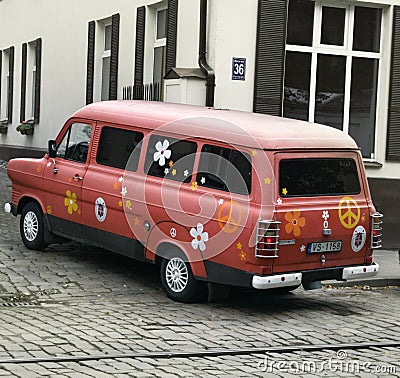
[(232, 33), (62, 25)]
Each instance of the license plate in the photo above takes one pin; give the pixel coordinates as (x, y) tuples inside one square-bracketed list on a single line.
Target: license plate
[(328, 246)]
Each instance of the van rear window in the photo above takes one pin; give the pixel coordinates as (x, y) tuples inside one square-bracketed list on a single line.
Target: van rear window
[(318, 177)]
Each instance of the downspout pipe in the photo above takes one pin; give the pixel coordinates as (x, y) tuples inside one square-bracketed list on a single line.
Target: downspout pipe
[(205, 67)]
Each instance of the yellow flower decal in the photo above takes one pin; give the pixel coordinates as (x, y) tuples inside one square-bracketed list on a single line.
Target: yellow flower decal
[(242, 255), (294, 222), (268, 181), (284, 191), (70, 202), (128, 204), (239, 245), (194, 185)]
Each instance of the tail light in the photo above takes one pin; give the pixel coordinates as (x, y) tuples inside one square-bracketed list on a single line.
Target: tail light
[(267, 239), (376, 231)]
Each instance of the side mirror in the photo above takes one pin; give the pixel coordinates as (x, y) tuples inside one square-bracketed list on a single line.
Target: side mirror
[(52, 148)]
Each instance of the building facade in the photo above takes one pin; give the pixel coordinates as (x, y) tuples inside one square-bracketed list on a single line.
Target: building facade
[(326, 61)]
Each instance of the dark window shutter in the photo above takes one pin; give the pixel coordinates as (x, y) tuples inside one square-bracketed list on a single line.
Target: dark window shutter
[(90, 62), (139, 48), (23, 82), (38, 78), (393, 135), (114, 57), (11, 87), (1, 72), (172, 24), (270, 56)]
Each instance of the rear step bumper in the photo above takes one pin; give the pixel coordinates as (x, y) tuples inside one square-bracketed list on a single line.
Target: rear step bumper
[(356, 272), (295, 279)]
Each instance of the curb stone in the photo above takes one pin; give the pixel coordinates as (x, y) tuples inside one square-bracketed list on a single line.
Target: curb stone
[(377, 282)]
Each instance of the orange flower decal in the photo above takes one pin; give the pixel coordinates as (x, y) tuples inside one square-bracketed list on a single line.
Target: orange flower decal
[(70, 202), (294, 222)]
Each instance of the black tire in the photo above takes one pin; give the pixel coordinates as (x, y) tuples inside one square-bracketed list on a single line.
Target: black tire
[(32, 227), (178, 282)]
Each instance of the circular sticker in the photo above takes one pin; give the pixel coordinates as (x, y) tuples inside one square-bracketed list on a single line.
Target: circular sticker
[(100, 209), (349, 212), (358, 239)]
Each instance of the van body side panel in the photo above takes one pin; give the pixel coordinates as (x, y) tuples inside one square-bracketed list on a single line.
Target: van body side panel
[(26, 176)]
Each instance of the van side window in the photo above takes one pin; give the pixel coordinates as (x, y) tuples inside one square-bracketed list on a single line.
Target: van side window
[(318, 177), (225, 169), (170, 158), (75, 143), (119, 148)]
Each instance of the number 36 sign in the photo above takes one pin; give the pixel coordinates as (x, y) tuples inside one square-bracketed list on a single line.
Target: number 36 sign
[(238, 68)]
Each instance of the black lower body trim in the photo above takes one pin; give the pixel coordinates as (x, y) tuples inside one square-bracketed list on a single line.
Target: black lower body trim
[(226, 275)]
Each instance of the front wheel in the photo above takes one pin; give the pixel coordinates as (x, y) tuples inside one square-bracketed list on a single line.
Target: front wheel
[(32, 226), (178, 282)]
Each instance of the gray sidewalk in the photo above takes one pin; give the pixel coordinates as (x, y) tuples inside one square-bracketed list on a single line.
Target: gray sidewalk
[(389, 271)]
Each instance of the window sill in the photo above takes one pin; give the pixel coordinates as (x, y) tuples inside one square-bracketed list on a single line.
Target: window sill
[(372, 164)]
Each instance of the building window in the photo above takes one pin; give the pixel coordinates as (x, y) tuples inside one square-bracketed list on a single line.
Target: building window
[(332, 68), (30, 81), (160, 43), (106, 60), (7, 85)]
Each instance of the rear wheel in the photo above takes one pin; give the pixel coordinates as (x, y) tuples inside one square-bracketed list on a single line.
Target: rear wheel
[(178, 282), (32, 226)]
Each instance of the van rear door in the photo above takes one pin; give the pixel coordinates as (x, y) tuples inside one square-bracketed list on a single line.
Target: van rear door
[(322, 206)]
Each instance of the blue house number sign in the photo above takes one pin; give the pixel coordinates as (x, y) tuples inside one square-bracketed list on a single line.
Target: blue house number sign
[(238, 68)]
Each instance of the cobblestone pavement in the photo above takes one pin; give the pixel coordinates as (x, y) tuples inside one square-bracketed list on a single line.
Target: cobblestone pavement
[(75, 300)]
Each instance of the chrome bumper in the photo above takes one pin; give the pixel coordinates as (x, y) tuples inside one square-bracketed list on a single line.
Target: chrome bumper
[(10, 208), (356, 272), (279, 280)]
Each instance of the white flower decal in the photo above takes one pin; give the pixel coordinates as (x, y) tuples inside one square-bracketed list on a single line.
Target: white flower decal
[(203, 180), (199, 237), (162, 152), (186, 173), (124, 191), (325, 214), (279, 201), (166, 171)]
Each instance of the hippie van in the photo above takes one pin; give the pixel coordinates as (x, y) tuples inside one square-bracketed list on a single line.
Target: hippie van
[(212, 196)]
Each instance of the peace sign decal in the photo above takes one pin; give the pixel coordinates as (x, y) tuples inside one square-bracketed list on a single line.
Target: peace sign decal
[(229, 216), (349, 212)]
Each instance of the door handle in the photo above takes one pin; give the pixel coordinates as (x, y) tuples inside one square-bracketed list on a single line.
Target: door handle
[(77, 178)]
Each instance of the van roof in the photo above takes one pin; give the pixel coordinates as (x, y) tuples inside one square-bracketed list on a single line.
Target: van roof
[(252, 130)]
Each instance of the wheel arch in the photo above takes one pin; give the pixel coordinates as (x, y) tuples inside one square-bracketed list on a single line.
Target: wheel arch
[(26, 199), (166, 248)]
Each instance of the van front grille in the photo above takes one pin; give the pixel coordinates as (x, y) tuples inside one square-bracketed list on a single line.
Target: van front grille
[(267, 239)]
